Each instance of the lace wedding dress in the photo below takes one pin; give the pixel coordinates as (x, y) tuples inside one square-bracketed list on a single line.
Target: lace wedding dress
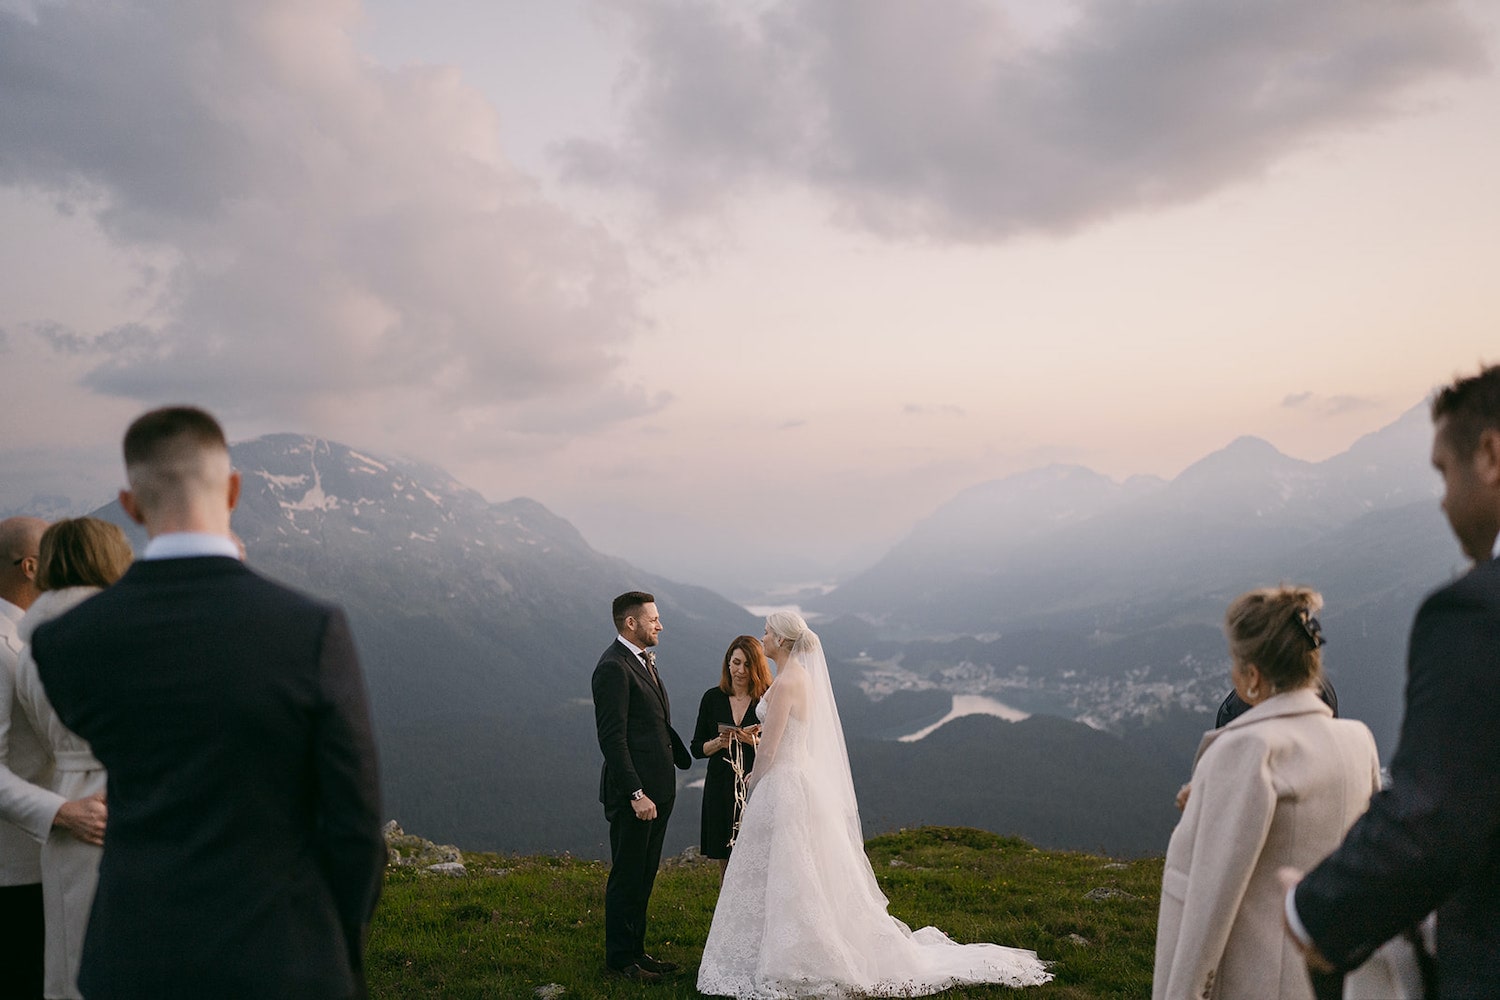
[(800, 913)]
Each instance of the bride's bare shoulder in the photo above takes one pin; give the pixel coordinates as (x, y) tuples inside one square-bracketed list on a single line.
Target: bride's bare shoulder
[(792, 680)]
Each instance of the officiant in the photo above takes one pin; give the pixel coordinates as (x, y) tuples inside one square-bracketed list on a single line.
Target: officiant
[(725, 734)]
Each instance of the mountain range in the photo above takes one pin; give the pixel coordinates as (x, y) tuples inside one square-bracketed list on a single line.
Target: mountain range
[(1091, 605)]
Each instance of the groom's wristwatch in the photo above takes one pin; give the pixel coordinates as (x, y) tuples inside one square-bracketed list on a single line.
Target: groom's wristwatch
[(637, 795)]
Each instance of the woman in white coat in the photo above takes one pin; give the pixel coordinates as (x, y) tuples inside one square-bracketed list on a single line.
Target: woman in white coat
[(77, 559), (1277, 786)]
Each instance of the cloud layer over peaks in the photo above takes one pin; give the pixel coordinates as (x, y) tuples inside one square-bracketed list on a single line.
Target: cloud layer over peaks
[(343, 234), (949, 120)]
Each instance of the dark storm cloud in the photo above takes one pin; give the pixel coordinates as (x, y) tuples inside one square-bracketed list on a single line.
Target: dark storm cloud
[(342, 234), (943, 120)]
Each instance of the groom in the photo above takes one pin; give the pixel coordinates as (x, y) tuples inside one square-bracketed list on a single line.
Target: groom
[(637, 785)]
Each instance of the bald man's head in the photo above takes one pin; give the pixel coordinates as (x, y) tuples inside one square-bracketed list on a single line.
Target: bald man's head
[(20, 539)]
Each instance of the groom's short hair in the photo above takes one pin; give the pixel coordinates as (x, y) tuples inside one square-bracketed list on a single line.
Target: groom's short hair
[(628, 604)]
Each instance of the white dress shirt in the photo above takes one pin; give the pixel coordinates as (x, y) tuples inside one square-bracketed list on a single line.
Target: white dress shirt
[(189, 544)]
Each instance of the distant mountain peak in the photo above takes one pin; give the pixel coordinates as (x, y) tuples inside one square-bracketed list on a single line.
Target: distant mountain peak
[(980, 556), (1245, 452)]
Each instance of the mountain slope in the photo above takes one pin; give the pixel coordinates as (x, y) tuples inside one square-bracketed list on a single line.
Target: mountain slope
[(479, 625)]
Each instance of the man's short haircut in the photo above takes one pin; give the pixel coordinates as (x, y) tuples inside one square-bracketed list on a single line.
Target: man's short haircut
[(1472, 406), (172, 453), (154, 435), (628, 604)]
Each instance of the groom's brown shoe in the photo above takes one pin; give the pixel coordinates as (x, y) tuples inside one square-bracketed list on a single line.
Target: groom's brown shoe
[(638, 973), (654, 965)]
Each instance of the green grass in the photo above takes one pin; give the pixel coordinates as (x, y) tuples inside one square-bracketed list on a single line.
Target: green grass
[(517, 923)]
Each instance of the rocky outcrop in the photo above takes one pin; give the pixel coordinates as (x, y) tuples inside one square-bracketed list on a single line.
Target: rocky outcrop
[(407, 850)]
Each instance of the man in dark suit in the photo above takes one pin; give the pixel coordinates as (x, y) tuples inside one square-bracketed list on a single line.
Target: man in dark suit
[(637, 786), (1432, 840), (243, 855)]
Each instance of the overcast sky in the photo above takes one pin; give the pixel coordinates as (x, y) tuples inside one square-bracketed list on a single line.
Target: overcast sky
[(742, 289)]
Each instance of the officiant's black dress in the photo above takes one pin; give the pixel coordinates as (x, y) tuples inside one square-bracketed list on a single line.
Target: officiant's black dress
[(718, 787)]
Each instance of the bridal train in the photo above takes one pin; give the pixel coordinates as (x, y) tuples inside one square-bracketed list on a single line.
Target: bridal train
[(800, 914)]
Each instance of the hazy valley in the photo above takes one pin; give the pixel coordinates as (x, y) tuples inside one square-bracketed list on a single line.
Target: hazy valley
[(1085, 610)]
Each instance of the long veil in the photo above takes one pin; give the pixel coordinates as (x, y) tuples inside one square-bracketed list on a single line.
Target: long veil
[(800, 913), (828, 770)]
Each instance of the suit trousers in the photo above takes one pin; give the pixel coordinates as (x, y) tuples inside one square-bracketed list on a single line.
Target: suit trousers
[(635, 854), (22, 941)]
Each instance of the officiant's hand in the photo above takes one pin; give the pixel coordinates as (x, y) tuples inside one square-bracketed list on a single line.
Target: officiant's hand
[(644, 808)]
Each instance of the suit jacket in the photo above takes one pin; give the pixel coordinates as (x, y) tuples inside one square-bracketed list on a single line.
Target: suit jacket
[(1431, 840), (27, 805), (243, 855), (1277, 786), (633, 717)]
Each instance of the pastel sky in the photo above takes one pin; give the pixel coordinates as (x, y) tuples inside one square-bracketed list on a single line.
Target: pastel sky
[(743, 288)]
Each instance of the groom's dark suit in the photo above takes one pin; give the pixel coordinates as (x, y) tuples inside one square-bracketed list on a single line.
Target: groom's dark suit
[(243, 855), (634, 721), (1432, 840)]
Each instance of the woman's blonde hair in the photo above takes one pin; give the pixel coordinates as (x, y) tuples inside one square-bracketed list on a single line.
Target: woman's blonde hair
[(1275, 629), (82, 552)]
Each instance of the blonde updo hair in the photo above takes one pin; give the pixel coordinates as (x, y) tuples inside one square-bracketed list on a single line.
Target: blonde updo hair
[(1275, 629), (790, 627), (82, 552)]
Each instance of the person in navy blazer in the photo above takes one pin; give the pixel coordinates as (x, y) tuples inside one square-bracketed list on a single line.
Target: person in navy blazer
[(243, 855), (1431, 841), (637, 784)]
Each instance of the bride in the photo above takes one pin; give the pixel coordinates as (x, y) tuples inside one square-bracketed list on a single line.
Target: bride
[(799, 913)]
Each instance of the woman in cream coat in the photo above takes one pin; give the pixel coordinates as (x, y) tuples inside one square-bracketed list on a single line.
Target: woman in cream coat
[(78, 558), (1278, 786)]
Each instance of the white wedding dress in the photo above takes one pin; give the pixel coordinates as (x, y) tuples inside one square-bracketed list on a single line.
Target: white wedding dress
[(800, 913)]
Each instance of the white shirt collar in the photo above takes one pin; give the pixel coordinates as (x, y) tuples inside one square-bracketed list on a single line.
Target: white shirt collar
[(189, 544), (632, 647), (12, 611)]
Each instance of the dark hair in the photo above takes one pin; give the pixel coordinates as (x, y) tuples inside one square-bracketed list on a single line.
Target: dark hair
[(1274, 629), (627, 604), (1472, 406), (755, 659), (151, 434), (82, 552)]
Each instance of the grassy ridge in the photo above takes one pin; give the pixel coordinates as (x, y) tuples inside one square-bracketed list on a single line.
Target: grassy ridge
[(519, 923)]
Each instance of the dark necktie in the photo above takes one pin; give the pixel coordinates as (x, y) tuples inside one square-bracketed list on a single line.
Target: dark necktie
[(650, 659)]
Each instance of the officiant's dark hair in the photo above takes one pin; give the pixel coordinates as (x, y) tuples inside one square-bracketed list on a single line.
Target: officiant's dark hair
[(755, 659), (1274, 629), (1472, 406), (627, 604)]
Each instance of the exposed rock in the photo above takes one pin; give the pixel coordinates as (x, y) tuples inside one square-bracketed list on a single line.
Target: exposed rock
[(1079, 940), (447, 868), (1114, 866), (550, 992), (690, 856), (898, 863), (1104, 892), (408, 850)]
